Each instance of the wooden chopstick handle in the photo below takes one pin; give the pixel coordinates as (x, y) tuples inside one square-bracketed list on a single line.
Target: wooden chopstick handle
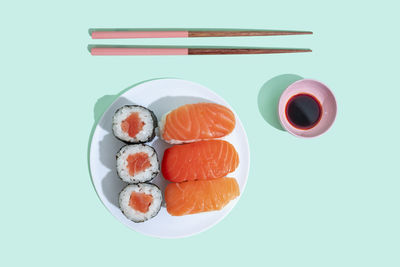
[(244, 33), (227, 51)]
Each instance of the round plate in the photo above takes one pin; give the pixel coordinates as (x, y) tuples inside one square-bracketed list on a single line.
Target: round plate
[(160, 96)]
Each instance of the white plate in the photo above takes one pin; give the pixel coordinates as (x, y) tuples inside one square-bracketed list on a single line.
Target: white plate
[(160, 96)]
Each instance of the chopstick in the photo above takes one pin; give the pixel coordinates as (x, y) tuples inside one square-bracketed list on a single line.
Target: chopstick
[(131, 34), (163, 51)]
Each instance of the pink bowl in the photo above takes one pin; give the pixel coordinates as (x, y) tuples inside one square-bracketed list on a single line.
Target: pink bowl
[(322, 93)]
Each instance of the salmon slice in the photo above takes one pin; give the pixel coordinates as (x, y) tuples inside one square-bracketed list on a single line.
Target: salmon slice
[(140, 201), (132, 125), (199, 161), (200, 196), (194, 122), (137, 163)]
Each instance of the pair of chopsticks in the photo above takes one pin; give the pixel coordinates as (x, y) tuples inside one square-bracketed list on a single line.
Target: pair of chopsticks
[(98, 50)]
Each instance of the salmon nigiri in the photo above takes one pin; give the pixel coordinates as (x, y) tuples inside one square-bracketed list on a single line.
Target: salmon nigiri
[(195, 122), (199, 161), (200, 196)]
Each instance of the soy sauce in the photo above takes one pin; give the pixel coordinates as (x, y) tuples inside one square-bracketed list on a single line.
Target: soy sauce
[(303, 111)]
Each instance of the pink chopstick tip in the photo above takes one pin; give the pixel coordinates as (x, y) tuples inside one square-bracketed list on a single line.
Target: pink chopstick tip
[(138, 34), (131, 51)]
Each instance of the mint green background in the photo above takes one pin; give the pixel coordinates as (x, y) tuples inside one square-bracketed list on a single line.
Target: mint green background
[(340, 210)]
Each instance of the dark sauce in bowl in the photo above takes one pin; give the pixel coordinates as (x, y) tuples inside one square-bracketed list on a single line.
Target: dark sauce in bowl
[(303, 111)]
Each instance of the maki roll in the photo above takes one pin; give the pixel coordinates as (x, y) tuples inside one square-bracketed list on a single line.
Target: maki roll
[(140, 202), (134, 124), (137, 163)]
